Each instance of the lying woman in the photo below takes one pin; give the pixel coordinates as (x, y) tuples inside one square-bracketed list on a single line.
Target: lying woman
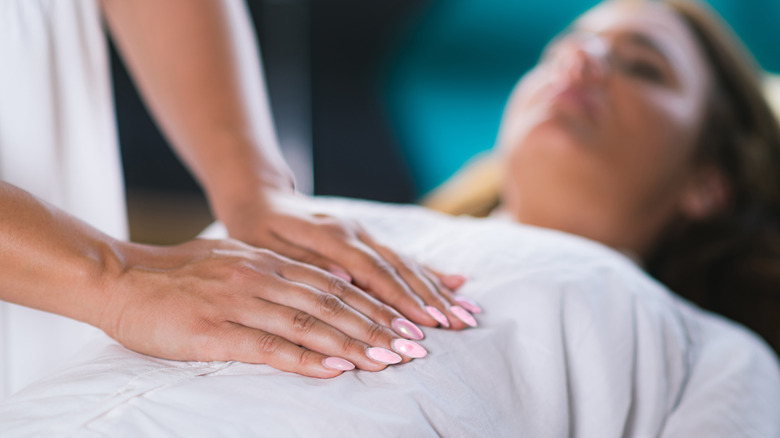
[(627, 136), (671, 161)]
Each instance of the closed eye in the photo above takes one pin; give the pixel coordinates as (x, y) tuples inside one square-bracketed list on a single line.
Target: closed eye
[(645, 70)]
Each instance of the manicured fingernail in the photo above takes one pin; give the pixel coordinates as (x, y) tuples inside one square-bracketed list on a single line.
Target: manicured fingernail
[(409, 348), (437, 315), (468, 304), (463, 315), (342, 274), (337, 363), (382, 355), (407, 329), (453, 281)]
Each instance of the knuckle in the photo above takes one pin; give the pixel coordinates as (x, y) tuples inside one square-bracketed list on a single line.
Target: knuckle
[(335, 228), (337, 286), (285, 270), (375, 333), (242, 270), (204, 340), (330, 304), (268, 344), (266, 255), (303, 322), (269, 257), (349, 345), (333, 225), (302, 359)]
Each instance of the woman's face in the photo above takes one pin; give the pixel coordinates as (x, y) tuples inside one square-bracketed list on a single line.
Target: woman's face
[(600, 135)]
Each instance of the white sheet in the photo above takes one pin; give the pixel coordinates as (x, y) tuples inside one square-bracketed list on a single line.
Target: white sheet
[(575, 341)]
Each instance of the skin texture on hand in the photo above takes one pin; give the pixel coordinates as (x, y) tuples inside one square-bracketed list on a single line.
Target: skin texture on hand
[(202, 300), (284, 224), (198, 70), (224, 300)]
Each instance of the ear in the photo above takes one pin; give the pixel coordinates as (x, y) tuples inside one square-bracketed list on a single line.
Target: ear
[(707, 193)]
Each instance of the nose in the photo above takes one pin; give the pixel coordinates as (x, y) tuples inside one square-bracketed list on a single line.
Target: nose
[(585, 59)]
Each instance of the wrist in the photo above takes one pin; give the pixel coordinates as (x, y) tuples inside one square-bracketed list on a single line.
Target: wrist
[(128, 271), (109, 262), (239, 167), (243, 212)]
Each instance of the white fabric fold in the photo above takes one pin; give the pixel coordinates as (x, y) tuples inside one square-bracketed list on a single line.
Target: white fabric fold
[(575, 341)]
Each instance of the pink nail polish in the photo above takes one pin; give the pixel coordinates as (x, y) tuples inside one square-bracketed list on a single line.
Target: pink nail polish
[(437, 315), (407, 329), (409, 348), (468, 304), (382, 355), (463, 315), (342, 274), (337, 363)]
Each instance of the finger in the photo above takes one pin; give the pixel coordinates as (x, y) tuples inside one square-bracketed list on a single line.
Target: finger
[(367, 305), (369, 270), (323, 322), (382, 278), (456, 280), (436, 280), (281, 246), (303, 329), (451, 281), (456, 316), (249, 345), (435, 297)]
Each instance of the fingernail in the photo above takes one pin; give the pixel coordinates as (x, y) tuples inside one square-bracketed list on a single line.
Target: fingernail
[(382, 355), (342, 274), (337, 363), (468, 304), (407, 329), (437, 315), (453, 281), (463, 315), (409, 348)]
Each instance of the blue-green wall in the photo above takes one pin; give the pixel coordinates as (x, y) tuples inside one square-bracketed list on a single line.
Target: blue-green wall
[(453, 68)]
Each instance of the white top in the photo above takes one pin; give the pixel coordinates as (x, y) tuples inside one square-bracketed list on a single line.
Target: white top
[(575, 341), (58, 141)]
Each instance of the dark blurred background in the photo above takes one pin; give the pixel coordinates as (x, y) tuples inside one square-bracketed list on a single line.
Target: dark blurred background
[(322, 61), (379, 100)]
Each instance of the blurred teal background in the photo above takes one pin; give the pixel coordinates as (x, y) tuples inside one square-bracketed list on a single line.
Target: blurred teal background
[(454, 65)]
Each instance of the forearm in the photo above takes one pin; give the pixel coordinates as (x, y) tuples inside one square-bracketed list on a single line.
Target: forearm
[(202, 300), (52, 261), (197, 66)]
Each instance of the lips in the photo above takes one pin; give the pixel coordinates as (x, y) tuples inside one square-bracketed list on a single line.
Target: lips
[(579, 98)]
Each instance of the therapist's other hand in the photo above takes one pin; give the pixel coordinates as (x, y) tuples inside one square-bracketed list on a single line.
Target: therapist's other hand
[(209, 300), (344, 248)]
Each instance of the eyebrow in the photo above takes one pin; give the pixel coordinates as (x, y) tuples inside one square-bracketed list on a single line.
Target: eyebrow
[(647, 42)]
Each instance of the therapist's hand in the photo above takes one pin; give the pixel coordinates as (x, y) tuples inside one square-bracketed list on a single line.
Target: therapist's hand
[(177, 51), (344, 248), (211, 300)]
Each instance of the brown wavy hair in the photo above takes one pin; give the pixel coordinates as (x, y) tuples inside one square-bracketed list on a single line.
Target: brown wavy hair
[(729, 263)]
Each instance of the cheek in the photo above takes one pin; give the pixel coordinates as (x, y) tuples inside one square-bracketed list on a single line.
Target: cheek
[(657, 130)]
